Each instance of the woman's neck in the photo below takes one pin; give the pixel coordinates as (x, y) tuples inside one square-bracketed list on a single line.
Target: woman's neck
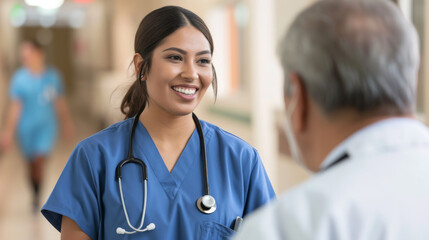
[(162, 125), (170, 133), (37, 69)]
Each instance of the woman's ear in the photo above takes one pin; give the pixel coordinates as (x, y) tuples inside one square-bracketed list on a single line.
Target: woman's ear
[(138, 61)]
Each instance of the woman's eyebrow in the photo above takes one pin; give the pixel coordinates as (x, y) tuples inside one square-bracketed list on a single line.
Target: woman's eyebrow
[(184, 52), (203, 52)]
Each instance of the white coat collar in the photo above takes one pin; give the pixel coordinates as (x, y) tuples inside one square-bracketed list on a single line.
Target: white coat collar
[(392, 133)]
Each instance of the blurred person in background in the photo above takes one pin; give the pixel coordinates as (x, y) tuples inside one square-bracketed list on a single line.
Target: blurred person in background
[(350, 89), (36, 101), (99, 195)]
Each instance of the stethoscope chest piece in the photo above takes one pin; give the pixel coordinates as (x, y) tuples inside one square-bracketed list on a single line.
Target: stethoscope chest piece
[(206, 204)]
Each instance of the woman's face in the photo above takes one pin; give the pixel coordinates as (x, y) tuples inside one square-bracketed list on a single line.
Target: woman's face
[(30, 56), (180, 72)]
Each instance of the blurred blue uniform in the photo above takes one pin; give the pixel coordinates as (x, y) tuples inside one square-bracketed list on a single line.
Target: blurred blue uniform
[(88, 193), (37, 125)]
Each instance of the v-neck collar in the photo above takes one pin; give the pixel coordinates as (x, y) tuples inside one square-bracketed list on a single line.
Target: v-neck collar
[(170, 181), (34, 76)]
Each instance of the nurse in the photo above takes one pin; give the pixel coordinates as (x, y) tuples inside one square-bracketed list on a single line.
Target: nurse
[(37, 106), (173, 65)]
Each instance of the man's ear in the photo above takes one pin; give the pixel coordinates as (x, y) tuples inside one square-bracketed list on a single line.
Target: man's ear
[(299, 92), (138, 61)]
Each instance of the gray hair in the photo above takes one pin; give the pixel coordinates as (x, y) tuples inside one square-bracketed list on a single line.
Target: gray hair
[(362, 55)]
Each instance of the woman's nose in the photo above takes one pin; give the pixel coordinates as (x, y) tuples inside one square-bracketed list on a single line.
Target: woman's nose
[(189, 72)]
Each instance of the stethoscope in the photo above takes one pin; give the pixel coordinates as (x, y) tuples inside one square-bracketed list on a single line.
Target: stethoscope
[(206, 203)]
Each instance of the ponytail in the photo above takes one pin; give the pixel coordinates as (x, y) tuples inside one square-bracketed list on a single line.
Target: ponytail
[(136, 97)]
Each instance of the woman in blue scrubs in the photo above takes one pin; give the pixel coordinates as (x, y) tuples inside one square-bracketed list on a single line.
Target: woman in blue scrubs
[(173, 65), (37, 106)]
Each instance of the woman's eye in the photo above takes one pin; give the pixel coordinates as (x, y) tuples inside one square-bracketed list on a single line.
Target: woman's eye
[(175, 58), (204, 61)]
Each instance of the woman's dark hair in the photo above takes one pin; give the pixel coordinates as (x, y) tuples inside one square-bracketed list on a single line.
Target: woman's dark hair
[(156, 26), (35, 44)]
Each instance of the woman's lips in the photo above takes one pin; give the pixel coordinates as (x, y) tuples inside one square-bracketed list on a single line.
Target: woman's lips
[(185, 90)]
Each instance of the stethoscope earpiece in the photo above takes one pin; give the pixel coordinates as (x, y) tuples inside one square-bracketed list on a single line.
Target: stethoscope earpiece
[(122, 231), (206, 204)]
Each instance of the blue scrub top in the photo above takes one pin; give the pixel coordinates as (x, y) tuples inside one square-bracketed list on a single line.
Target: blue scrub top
[(88, 193), (37, 125)]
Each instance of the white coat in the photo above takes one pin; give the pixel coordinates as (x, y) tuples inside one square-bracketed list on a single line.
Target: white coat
[(381, 191)]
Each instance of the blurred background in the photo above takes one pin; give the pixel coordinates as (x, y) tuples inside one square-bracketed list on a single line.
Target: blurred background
[(91, 43)]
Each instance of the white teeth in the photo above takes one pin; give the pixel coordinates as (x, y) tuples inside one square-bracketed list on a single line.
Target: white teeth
[(187, 91)]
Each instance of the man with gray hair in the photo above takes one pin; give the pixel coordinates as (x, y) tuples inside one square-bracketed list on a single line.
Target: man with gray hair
[(350, 83)]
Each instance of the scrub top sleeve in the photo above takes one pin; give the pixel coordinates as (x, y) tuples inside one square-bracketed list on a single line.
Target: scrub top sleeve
[(75, 196), (15, 89), (260, 190), (58, 82)]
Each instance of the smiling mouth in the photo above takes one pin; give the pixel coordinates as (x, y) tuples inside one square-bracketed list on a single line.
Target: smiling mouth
[(186, 91)]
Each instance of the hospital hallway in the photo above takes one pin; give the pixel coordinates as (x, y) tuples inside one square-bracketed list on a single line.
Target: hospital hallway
[(91, 44)]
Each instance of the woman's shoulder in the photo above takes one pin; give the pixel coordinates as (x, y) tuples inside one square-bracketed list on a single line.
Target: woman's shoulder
[(20, 74), (221, 135), (20, 71)]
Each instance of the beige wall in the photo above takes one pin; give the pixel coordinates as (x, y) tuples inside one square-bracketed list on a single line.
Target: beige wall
[(3, 91), (95, 35), (8, 44), (7, 55)]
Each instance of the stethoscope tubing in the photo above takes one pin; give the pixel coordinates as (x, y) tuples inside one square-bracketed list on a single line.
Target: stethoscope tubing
[(203, 152), (125, 208), (201, 202)]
